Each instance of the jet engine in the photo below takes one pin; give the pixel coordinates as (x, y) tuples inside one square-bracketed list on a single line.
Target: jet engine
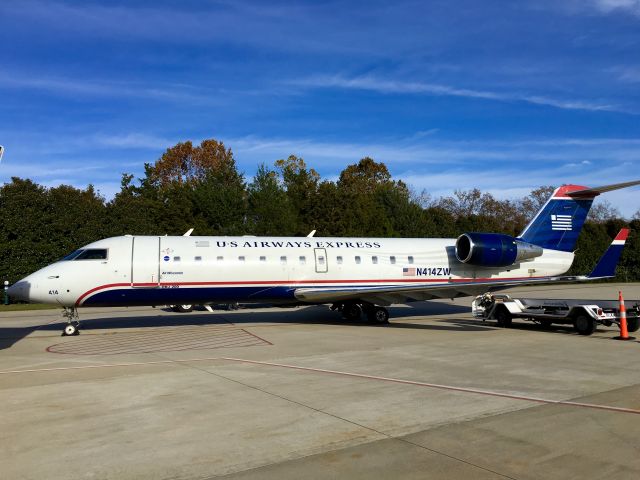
[(493, 249)]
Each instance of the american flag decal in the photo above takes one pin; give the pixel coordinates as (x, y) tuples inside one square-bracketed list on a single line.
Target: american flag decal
[(409, 272), (560, 222)]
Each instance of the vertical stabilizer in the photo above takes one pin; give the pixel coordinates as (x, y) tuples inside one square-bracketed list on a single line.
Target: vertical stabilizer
[(558, 224), (606, 266)]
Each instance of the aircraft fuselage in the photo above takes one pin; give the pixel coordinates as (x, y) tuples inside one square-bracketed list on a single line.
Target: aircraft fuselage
[(153, 270)]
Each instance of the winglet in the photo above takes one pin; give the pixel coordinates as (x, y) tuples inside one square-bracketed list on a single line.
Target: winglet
[(607, 264)]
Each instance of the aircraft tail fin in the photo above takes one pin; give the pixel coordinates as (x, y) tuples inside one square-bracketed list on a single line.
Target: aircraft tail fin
[(558, 223), (606, 266)]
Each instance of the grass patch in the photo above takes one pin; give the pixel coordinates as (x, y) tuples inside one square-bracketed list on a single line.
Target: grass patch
[(18, 307)]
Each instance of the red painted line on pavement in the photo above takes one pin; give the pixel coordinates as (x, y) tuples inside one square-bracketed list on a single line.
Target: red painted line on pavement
[(346, 374), (441, 387)]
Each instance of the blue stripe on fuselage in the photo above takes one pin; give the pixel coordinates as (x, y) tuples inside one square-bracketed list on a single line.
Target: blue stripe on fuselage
[(128, 296)]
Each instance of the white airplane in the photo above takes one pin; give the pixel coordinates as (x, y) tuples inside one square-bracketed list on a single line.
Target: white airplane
[(356, 275)]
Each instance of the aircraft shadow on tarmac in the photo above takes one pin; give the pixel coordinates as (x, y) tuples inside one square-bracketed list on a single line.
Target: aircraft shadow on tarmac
[(10, 336), (401, 317)]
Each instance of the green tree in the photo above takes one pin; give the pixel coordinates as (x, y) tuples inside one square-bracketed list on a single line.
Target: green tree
[(219, 203), (185, 164), (301, 184), (41, 225), (269, 209), (364, 177)]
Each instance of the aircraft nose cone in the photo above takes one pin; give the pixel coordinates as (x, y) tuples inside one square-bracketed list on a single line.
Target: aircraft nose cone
[(19, 291)]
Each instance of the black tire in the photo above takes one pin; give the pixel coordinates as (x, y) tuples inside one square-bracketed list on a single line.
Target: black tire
[(503, 317), (183, 308), (351, 312), (633, 324), (69, 330), (584, 325), (378, 315)]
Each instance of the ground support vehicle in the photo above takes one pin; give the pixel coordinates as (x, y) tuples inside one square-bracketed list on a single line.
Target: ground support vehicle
[(584, 315)]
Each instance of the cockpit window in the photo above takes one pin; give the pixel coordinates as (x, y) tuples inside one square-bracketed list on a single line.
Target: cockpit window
[(73, 255), (92, 254)]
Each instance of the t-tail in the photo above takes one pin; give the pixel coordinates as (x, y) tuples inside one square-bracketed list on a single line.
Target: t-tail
[(557, 225)]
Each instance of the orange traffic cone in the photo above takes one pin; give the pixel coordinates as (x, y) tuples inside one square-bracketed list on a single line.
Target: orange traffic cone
[(624, 333)]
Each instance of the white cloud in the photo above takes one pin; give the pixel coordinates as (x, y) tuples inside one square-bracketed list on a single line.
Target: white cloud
[(628, 74), (130, 140), (432, 151), (505, 168), (607, 6), (420, 88), (112, 89)]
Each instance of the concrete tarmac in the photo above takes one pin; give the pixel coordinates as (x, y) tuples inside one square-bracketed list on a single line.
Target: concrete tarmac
[(294, 393)]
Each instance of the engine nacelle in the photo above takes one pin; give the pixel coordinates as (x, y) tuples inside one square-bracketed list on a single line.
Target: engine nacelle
[(493, 249)]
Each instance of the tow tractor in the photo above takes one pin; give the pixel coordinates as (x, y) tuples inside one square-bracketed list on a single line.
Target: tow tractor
[(584, 315)]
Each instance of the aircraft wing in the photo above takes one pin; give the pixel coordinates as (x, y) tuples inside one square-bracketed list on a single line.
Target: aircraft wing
[(390, 294)]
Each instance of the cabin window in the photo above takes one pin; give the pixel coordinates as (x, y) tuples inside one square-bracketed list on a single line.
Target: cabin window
[(219, 258), (241, 258), (374, 260), (263, 258), (176, 259), (283, 260), (410, 259), (92, 254), (392, 260), (358, 260), (339, 260), (198, 259), (303, 260)]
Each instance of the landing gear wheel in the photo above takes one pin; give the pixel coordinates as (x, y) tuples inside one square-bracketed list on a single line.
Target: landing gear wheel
[(182, 308), (378, 315), (503, 317), (70, 329), (584, 325), (351, 312), (73, 324)]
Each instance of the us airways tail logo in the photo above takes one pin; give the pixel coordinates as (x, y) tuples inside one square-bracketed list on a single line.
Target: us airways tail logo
[(560, 222)]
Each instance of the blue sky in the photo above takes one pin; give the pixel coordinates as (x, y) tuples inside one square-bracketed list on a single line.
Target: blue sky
[(500, 95)]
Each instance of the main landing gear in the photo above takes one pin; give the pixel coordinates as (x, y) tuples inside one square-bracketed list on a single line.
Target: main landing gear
[(73, 322), (352, 312)]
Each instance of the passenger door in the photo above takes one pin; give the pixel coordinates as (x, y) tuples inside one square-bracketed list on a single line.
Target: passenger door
[(321, 260), (145, 262)]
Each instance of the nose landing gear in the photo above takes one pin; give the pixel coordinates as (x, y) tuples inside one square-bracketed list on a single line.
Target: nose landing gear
[(73, 323)]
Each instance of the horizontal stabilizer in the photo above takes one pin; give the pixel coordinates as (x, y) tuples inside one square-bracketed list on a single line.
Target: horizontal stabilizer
[(595, 191), (607, 264)]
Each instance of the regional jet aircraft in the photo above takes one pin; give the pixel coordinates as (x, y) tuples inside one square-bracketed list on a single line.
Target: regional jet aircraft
[(355, 275)]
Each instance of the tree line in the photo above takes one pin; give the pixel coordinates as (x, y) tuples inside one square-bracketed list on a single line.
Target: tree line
[(200, 187)]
